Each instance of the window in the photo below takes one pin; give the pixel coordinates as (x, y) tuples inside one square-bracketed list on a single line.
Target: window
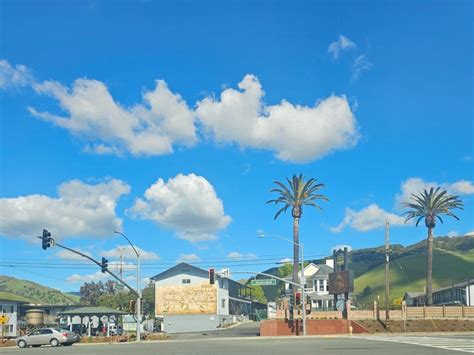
[(223, 303), (321, 285), (186, 281), (46, 331), (12, 309)]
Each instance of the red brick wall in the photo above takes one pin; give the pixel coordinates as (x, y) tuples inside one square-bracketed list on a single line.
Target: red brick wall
[(313, 327)]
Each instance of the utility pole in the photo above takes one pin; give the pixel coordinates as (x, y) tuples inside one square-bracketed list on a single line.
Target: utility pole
[(121, 264), (387, 260)]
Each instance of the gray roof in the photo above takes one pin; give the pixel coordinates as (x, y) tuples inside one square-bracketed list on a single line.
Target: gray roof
[(324, 270), (413, 294), (181, 268), (91, 311)]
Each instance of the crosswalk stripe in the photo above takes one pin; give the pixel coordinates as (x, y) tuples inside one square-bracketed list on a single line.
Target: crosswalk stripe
[(463, 345)]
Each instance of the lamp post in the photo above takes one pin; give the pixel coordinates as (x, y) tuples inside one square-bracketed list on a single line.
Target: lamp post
[(139, 291), (303, 293)]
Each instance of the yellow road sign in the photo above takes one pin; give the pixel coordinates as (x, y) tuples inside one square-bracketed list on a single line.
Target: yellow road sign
[(3, 319)]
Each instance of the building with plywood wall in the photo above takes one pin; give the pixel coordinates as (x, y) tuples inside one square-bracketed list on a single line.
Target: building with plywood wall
[(187, 302)]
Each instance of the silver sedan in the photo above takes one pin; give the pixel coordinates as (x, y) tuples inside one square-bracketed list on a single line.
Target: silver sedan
[(46, 336)]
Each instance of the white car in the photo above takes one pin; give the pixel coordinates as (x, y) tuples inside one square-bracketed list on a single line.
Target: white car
[(47, 336)]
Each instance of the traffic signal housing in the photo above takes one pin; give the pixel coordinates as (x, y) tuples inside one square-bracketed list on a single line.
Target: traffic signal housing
[(104, 264), (46, 239), (212, 276), (298, 298)]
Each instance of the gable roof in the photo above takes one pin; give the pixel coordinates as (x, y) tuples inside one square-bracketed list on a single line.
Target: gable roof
[(181, 268), (324, 270)]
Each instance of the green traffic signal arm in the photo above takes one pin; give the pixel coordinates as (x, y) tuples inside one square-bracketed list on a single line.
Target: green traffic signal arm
[(99, 264)]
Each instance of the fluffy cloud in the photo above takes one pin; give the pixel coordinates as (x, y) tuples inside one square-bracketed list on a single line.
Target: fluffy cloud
[(187, 258), (361, 64), (239, 256), (415, 185), (14, 76), (95, 277), (100, 276), (80, 210), (295, 133), (127, 252), (366, 219), (187, 204), (69, 255), (343, 43), (149, 128)]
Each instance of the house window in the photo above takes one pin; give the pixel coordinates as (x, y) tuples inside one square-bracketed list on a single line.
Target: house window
[(186, 281), (223, 303), (321, 286)]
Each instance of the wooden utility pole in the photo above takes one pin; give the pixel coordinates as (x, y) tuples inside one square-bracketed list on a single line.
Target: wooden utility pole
[(387, 260)]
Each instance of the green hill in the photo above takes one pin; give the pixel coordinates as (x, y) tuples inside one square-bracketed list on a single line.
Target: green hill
[(28, 291), (409, 274), (453, 262)]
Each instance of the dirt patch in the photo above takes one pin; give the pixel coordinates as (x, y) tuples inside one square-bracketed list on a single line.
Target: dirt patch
[(157, 336), (5, 343), (419, 325)]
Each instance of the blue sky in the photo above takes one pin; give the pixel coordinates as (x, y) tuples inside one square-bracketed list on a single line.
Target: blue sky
[(100, 100)]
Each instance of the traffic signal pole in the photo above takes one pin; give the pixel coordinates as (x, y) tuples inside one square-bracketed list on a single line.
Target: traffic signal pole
[(98, 264)]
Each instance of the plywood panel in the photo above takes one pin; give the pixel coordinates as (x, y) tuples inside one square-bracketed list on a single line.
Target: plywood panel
[(195, 299)]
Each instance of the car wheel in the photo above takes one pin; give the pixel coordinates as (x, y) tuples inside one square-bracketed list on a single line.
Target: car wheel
[(54, 342), (22, 344)]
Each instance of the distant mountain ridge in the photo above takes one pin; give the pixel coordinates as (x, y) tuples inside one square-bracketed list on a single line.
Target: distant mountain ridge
[(32, 292)]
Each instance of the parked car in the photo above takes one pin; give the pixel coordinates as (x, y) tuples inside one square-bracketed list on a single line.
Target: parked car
[(116, 330), (45, 336)]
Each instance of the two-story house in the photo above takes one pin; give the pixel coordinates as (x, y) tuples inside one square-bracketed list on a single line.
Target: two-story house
[(317, 288)]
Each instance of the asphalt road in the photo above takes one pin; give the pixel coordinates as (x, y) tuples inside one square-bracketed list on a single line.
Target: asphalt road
[(249, 329), (230, 346)]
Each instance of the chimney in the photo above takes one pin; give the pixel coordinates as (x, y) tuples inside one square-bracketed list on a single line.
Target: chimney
[(330, 263)]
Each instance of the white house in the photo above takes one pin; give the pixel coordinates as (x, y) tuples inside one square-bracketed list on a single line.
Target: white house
[(9, 309), (186, 301), (317, 288)]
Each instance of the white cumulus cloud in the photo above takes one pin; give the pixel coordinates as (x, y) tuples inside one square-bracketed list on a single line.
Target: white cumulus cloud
[(126, 251), (187, 258), (187, 204), (69, 255), (295, 133), (416, 185), (368, 218), (235, 255), (152, 127), (79, 210), (341, 44), (14, 76)]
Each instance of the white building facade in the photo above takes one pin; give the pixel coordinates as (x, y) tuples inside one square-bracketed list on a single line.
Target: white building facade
[(9, 309)]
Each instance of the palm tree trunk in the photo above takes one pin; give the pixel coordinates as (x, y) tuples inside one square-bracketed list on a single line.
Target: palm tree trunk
[(296, 230), (429, 269)]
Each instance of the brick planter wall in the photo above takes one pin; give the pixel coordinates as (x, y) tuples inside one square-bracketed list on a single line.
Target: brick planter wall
[(281, 327)]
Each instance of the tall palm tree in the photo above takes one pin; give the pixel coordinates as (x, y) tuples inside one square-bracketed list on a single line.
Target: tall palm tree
[(296, 194), (430, 205)]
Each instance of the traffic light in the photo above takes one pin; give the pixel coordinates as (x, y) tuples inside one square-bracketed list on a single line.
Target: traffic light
[(46, 239), (133, 304), (292, 299), (212, 276), (298, 298), (104, 265)]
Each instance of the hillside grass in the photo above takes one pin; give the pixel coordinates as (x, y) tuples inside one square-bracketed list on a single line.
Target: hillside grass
[(34, 293), (409, 274)]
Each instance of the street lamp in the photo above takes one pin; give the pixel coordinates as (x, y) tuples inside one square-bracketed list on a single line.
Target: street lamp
[(139, 291), (303, 293)]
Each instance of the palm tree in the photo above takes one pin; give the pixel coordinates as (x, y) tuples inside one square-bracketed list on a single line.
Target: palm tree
[(431, 205), (297, 194)]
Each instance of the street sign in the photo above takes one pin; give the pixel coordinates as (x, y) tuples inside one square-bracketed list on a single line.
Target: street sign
[(263, 282), (341, 282), (119, 286), (225, 273), (303, 280)]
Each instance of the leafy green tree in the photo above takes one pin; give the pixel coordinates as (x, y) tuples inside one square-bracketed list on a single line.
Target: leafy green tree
[(148, 300), (91, 292), (431, 205), (297, 194), (258, 294)]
